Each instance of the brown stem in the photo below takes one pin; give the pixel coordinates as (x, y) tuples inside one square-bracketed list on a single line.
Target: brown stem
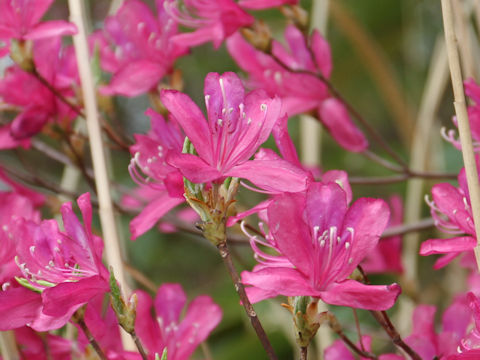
[(303, 352), (408, 228), (81, 164), (379, 180), (139, 345), (90, 338), (359, 331), (352, 346), (250, 311)]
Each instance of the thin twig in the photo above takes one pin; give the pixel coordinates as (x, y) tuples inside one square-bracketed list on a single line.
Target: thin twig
[(141, 278), (139, 345), (462, 118), (90, 338), (352, 345), (408, 228), (249, 310), (359, 331)]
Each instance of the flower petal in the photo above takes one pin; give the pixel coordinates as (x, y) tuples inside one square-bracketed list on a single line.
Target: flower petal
[(18, 306), (193, 168), (51, 29), (169, 303), (443, 246)]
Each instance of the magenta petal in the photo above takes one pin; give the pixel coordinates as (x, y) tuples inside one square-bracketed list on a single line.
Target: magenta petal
[(279, 281), (152, 213), (67, 297), (444, 260), (191, 119), (337, 351), (337, 120), (326, 205), (284, 141), (193, 168), (51, 29), (223, 92), (286, 225), (7, 141), (354, 294), (169, 303), (322, 53), (264, 4), (232, 220), (134, 79), (442, 246), (202, 316), (272, 175), (146, 328), (18, 306)]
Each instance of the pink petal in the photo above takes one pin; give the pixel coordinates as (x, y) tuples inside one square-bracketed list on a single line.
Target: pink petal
[(232, 220), (7, 141), (66, 298), (326, 205), (202, 316), (18, 306), (284, 141), (444, 260), (322, 53), (145, 326), (339, 177), (298, 48), (337, 120), (150, 215), (134, 79), (169, 303), (193, 168), (354, 294), (279, 281), (337, 351), (272, 175), (51, 29), (442, 246), (264, 4), (449, 201), (191, 119), (290, 231)]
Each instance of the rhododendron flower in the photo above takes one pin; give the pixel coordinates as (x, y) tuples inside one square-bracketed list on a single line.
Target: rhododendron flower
[(300, 92), (137, 48), (64, 269), (37, 103), (163, 185), (387, 255), (214, 20), (20, 20), (166, 330), (237, 125), (452, 213), (320, 242)]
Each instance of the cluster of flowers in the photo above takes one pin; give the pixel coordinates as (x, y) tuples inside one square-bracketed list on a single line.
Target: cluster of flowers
[(312, 237)]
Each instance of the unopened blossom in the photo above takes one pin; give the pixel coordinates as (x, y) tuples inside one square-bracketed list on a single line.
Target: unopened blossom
[(38, 105), (62, 270), (300, 92), (450, 208), (161, 185), (166, 329), (137, 48), (237, 125), (20, 20), (213, 20), (320, 242)]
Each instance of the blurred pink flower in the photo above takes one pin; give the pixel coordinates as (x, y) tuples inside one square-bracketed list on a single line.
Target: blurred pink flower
[(320, 242), (237, 125), (214, 20), (338, 350), (161, 185), (300, 92), (166, 330), (265, 4), (137, 48), (452, 213), (20, 19)]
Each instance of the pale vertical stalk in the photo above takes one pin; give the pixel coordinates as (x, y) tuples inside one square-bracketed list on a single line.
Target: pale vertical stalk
[(462, 118), (462, 27), (114, 6), (8, 346), (435, 84), (107, 216), (477, 13), (311, 136)]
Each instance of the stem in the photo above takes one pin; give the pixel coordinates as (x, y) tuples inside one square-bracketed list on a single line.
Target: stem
[(90, 338), (139, 345), (462, 118), (8, 346), (303, 352), (352, 346), (107, 216), (423, 224), (249, 310), (357, 326), (383, 319)]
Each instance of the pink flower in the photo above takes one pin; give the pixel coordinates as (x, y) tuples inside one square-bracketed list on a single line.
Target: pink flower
[(452, 213), (63, 268), (237, 125), (35, 346), (37, 103), (166, 330), (20, 19), (387, 255), (161, 185), (320, 241), (299, 92), (338, 350), (137, 48), (215, 20)]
